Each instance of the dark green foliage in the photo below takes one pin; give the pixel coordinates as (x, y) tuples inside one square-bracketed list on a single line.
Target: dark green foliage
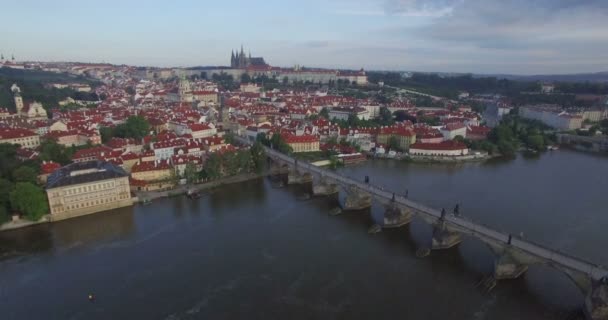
[(231, 163), (32, 84), (450, 86), (135, 127), (324, 113), (25, 174), (30, 200), (258, 157)]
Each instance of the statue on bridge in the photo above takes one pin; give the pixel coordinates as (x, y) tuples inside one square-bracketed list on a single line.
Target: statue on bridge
[(457, 210)]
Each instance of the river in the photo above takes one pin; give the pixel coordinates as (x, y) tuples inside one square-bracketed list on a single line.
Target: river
[(253, 251)]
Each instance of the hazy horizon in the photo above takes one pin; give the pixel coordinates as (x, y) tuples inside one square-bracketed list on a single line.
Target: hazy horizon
[(453, 36)]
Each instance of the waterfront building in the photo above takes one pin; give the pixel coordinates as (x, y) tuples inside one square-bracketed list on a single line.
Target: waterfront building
[(152, 175), (405, 136), (304, 143), (552, 115), (445, 148), (452, 130), (87, 187)]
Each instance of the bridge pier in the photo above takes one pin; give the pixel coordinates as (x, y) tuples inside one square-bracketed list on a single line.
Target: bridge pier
[(395, 217), (443, 238), (295, 177), (506, 266), (325, 189), (596, 302), (357, 199)]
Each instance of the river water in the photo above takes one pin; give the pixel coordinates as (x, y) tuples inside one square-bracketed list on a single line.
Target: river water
[(252, 251)]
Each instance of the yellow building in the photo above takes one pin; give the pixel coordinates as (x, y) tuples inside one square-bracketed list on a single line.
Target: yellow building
[(23, 137), (152, 175), (405, 136), (87, 187), (305, 143)]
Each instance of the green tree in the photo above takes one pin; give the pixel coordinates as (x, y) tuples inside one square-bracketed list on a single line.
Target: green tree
[(506, 148), (393, 143), (50, 150), (135, 127), (4, 216), (30, 200), (324, 113), (258, 157), (213, 166), (191, 173), (245, 78), (25, 174), (386, 117), (8, 159), (106, 133), (229, 137), (6, 187), (536, 142)]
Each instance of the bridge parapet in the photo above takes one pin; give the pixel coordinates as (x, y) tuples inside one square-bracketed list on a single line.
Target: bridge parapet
[(595, 272)]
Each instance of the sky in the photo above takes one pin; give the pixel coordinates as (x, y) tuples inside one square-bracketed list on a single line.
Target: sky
[(478, 36)]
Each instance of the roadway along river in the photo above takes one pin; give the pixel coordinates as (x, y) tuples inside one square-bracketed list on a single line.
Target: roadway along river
[(255, 252)]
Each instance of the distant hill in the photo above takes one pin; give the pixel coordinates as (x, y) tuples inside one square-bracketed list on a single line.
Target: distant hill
[(33, 84), (578, 77)]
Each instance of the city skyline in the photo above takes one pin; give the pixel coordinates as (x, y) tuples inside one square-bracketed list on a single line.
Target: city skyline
[(518, 37)]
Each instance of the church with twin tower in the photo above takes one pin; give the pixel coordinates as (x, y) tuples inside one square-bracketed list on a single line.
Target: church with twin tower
[(239, 60)]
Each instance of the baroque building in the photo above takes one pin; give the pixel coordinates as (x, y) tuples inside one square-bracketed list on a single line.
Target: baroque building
[(32, 112), (87, 187)]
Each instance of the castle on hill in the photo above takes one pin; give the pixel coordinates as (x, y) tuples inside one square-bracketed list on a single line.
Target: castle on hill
[(239, 60)]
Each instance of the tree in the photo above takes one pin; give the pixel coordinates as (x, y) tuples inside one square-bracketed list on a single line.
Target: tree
[(324, 113), (25, 174), (213, 166), (50, 150), (106, 133), (245, 78), (130, 90), (393, 143), (458, 138), (191, 173), (135, 127), (536, 142), (386, 118), (258, 157), (30, 200), (5, 188), (4, 216), (229, 137)]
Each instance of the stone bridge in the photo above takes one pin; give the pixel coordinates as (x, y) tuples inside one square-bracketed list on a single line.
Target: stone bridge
[(513, 254)]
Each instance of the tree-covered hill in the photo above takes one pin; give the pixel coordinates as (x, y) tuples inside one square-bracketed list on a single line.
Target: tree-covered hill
[(34, 85)]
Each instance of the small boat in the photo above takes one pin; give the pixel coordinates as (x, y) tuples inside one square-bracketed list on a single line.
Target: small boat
[(146, 202), (193, 194)]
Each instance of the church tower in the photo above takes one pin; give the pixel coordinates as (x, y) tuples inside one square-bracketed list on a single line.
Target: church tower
[(18, 99)]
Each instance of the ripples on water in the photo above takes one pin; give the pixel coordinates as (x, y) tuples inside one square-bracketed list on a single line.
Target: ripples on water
[(253, 251)]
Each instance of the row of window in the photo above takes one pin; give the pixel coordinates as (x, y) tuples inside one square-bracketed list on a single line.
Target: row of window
[(89, 188), (93, 203)]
